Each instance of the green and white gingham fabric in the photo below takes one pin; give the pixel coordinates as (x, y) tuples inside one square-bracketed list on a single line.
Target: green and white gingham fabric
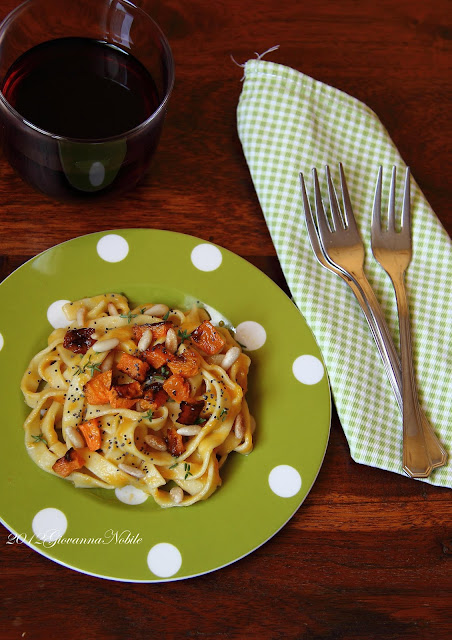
[(287, 123)]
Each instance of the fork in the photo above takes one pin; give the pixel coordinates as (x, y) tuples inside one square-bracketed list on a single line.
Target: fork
[(328, 248), (392, 249), (343, 249), (380, 333)]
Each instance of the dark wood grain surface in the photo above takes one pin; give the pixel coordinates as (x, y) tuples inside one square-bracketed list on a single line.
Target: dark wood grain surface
[(368, 554)]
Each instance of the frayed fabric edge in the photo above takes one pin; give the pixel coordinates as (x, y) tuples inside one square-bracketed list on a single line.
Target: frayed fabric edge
[(259, 56)]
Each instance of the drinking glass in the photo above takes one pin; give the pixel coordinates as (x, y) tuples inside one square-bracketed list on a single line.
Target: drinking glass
[(86, 149)]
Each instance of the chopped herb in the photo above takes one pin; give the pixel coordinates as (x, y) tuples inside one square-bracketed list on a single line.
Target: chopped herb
[(155, 378), (200, 420), (88, 365), (187, 470), (149, 415), (223, 414), (165, 317), (173, 466), (129, 316), (183, 335), (93, 367), (39, 438)]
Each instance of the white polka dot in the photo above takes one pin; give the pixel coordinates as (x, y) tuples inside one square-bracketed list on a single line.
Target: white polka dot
[(308, 369), (251, 334), (2, 342), (206, 257), (131, 495), (285, 481), (56, 315), (96, 174), (49, 524), (164, 560), (112, 248)]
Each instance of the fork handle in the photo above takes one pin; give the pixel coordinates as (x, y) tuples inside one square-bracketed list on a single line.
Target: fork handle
[(380, 331), (437, 453), (416, 461), (381, 334)]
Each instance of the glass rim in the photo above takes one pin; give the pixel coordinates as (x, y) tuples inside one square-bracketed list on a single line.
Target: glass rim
[(170, 74)]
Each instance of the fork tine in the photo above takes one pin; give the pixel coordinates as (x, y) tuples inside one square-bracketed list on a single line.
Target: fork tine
[(391, 205), (336, 216), (322, 222), (376, 210), (348, 209), (309, 219), (304, 195), (406, 207)]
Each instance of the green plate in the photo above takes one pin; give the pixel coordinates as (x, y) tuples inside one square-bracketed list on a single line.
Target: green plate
[(94, 532)]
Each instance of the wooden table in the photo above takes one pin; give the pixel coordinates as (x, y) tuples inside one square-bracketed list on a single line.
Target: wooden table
[(366, 556)]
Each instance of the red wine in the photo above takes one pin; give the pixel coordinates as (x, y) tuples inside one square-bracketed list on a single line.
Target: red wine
[(84, 90)]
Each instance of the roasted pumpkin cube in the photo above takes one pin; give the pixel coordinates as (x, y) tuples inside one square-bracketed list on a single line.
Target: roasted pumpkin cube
[(71, 461), (79, 340), (189, 412), (159, 330), (177, 388), (207, 338), (157, 356), (121, 403), (175, 442), (157, 396), (96, 389), (139, 329), (90, 430), (124, 396), (186, 364), (134, 367)]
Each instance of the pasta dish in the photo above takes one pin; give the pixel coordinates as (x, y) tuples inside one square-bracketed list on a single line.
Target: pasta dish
[(152, 397)]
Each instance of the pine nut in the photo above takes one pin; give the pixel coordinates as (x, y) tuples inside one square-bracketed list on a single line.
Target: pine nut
[(190, 430), (75, 438), (155, 442), (131, 471), (231, 356), (176, 494), (171, 341), (107, 363), (112, 310), (145, 340), (158, 310), (81, 316), (105, 345), (239, 427)]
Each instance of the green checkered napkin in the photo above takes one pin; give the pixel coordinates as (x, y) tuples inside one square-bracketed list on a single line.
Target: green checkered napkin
[(287, 123)]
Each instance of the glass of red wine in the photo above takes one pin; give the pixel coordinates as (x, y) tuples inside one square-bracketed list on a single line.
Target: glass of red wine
[(84, 87)]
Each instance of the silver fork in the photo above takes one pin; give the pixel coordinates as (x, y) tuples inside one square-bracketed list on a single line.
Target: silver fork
[(379, 331), (328, 246), (393, 251)]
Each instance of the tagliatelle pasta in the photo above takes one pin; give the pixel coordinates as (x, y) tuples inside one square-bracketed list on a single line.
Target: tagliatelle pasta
[(150, 397)]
